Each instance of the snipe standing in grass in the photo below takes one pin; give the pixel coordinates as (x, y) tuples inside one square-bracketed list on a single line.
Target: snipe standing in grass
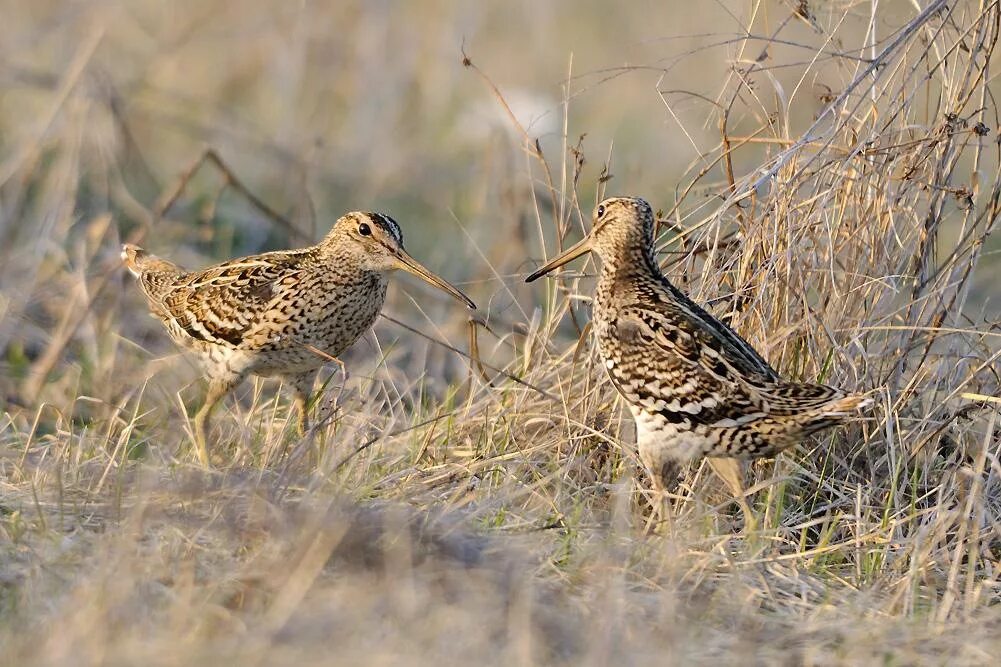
[(278, 313), (694, 387)]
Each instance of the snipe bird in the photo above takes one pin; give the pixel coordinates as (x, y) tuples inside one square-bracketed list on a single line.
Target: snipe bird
[(694, 386), (282, 313)]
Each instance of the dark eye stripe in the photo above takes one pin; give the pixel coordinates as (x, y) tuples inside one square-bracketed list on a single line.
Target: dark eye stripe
[(391, 225)]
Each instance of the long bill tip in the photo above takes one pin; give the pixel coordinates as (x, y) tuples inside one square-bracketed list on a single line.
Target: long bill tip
[(456, 293), (411, 265), (535, 275), (576, 250)]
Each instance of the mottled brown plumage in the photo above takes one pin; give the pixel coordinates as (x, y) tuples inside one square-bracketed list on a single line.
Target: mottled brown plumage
[(278, 313), (694, 386)]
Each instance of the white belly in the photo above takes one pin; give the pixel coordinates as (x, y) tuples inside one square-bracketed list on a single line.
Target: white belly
[(658, 440)]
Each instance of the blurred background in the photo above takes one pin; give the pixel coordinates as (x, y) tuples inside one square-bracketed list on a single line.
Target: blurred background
[(489, 129), (368, 104), (324, 107)]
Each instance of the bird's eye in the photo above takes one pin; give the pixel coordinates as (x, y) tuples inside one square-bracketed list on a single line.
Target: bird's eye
[(364, 229), (601, 210)]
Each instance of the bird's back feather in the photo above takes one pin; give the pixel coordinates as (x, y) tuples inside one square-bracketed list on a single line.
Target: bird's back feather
[(218, 305), (690, 372)]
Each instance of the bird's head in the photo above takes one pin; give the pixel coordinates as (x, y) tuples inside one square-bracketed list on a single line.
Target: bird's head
[(376, 242), (622, 230)]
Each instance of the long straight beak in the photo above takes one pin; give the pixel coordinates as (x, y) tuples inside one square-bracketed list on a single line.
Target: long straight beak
[(573, 252), (411, 265)]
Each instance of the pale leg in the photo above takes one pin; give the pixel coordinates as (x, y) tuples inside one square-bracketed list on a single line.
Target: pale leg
[(302, 386), (729, 470), (663, 475), (218, 388)]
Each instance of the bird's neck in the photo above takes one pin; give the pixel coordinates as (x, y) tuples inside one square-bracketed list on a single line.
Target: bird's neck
[(628, 264), (345, 261)]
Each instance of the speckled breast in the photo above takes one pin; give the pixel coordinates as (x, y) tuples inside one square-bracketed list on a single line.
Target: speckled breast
[(329, 317)]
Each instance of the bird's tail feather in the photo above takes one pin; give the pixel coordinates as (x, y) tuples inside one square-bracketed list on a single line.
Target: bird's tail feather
[(132, 255), (847, 405), (138, 262)]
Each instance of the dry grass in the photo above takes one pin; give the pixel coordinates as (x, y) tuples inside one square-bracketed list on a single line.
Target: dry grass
[(471, 493)]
